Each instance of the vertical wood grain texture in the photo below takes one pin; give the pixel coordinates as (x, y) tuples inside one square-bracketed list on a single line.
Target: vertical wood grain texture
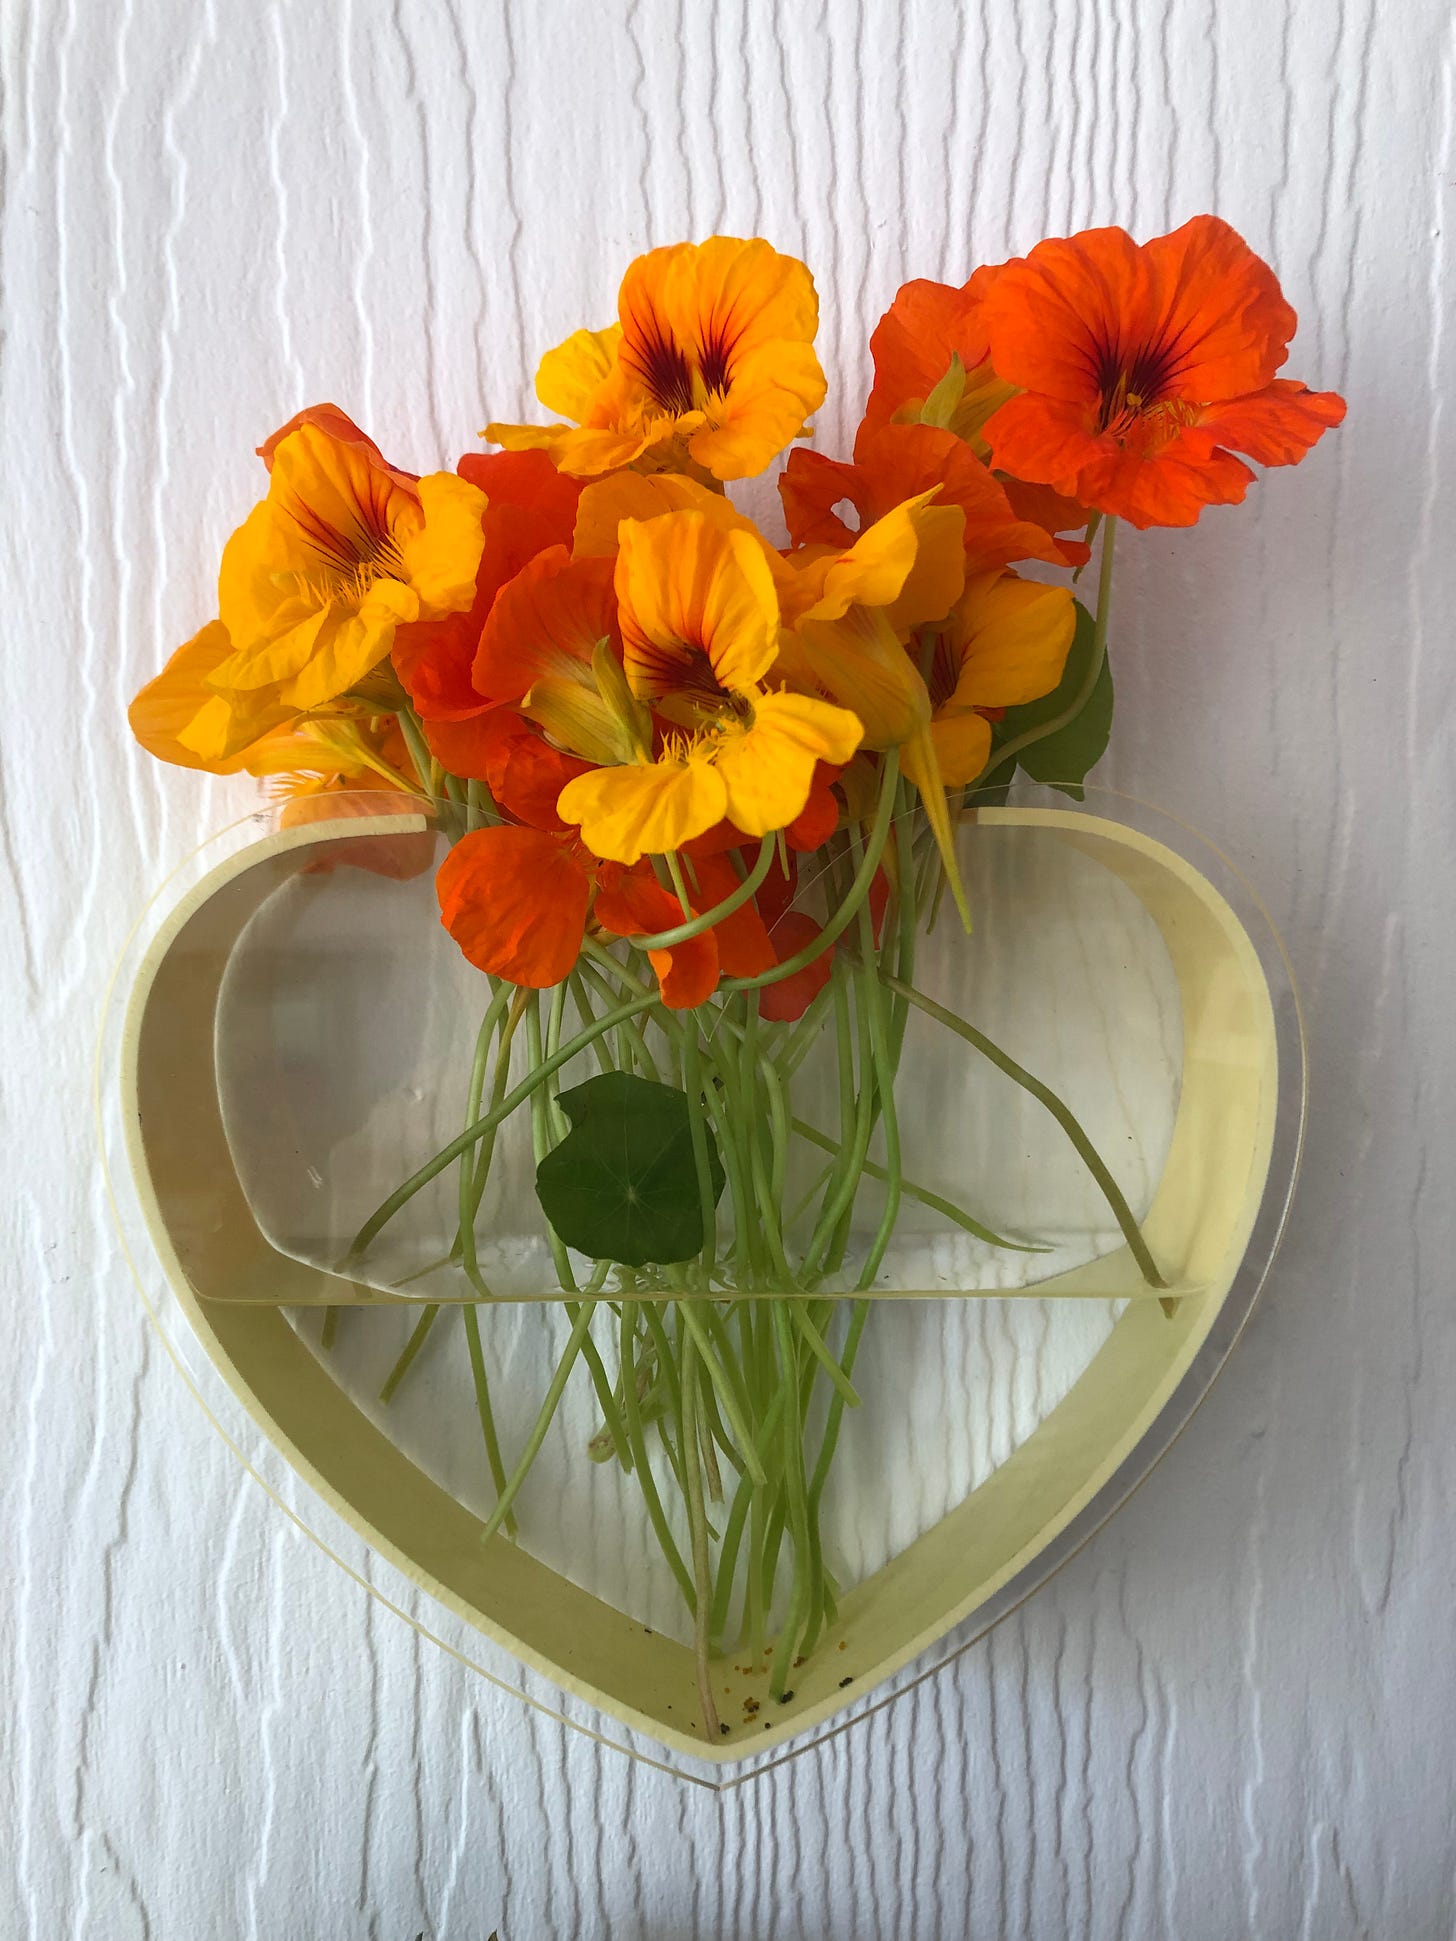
[(1233, 1714)]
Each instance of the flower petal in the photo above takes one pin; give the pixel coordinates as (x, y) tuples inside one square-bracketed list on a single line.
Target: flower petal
[(441, 556), (895, 463), (743, 942), (788, 999), (645, 808), (569, 377), (687, 588), (767, 769), (1276, 426), (547, 620), (636, 906), (1010, 639), (862, 663), (340, 427), (177, 718), (962, 744), (605, 503), (1222, 313), (915, 340), (515, 900)]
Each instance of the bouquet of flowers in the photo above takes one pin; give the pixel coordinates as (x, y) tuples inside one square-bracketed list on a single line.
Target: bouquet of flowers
[(700, 791)]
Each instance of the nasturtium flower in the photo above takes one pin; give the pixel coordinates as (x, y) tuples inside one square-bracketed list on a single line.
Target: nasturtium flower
[(519, 902), (606, 502), (711, 367), (933, 367), (530, 507), (896, 462), (1005, 642), (932, 361), (342, 552), (516, 901), (179, 717), (902, 575), (700, 619), (323, 753), (1144, 368), (335, 768)]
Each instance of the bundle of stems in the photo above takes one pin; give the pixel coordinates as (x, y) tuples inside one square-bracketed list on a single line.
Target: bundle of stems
[(722, 1381)]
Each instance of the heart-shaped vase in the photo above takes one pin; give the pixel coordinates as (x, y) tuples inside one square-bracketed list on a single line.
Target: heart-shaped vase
[(279, 1069)]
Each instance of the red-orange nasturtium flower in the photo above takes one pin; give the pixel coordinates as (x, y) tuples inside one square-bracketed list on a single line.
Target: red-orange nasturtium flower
[(530, 506), (518, 902), (710, 367), (933, 367), (1143, 369), (896, 462), (932, 361)]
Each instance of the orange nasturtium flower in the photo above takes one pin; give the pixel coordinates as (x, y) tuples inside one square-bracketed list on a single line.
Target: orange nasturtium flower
[(1144, 368), (180, 717), (332, 767), (312, 588), (893, 463), (700, 618), (711, 367)]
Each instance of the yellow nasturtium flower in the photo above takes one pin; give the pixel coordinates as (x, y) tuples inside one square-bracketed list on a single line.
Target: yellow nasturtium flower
[(1004, 643), (855, 637), (700, 624), (710, 368)]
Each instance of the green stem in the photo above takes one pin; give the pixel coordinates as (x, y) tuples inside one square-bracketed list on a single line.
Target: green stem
[(859, 889), (1062, 1113), (698, 1529), (797, 1503), (547, 1410), (472, 1135), (730, 1399), (815, 1343), (541, 1143), (947, 1208), (707, 1200), (884, 1069), (632, 1410), (695, 926), (418, 1337), (485, 1412)]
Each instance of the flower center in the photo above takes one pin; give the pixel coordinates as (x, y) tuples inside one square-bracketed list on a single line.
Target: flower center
[(351, 558), (674, 381), (1130, 389)]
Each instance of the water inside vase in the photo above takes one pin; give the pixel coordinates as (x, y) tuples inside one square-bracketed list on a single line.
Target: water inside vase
[(347, 1021)]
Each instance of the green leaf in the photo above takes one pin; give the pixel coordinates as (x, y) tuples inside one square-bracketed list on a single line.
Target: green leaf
[(623, 1184), (1064, 758)]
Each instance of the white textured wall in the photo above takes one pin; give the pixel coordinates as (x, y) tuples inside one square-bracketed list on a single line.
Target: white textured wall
[(1233, 1714)]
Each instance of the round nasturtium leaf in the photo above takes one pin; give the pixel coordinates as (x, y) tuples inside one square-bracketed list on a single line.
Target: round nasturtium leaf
[(623, 1183)]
